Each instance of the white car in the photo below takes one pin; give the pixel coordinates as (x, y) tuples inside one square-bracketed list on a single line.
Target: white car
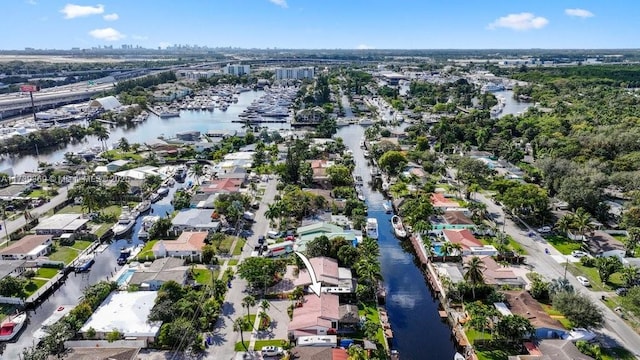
[(583, 281), (544, 230), (578, 253), (271, 351)]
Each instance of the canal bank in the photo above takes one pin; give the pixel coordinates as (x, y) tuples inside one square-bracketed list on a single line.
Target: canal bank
[(413, 309)]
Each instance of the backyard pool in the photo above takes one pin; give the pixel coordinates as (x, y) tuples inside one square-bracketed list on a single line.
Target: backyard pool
[(437, 250), (125, 277)]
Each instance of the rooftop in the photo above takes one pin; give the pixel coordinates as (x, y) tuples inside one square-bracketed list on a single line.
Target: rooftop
[(194, 218), (9, 266), (561, 350), (523, 304), (463, 237), (60, 222), (126, 311), (187, 241), (439, 200), (602, 242), (316, 311), (457, 218), (164, 269), (26, 244), (221, 186), (101, 353)]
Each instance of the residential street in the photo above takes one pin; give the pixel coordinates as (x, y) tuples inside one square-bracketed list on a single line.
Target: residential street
[(224, 338), (552, 266)]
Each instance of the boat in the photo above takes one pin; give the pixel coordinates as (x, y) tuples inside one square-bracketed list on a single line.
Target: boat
[(147, 223), (374, 171), (144, 206), (11, 326), (162, 191), (361, 196), (124, 255), (358, 181), (398, 228), (154, 197), (372, 228), (84, 263), (458, 356), (169, 114), (125, 222), (59, 313), (365, 153), (387, 207)]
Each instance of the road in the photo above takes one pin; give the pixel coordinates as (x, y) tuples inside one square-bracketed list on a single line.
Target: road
[(14, 225), (224, 336), (552, 266)]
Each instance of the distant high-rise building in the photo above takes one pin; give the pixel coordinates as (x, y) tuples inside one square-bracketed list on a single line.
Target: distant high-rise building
[(236, 69), (298, 73)]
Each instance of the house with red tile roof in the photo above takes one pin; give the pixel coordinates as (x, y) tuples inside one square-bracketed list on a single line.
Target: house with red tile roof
[(317, 315), (439, 201), (188, 244), (496, 274), (334, 279), (470, 245), (220, 186)]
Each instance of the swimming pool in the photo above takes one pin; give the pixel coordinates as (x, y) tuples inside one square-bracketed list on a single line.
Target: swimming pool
[(125, 277), (437, 250)]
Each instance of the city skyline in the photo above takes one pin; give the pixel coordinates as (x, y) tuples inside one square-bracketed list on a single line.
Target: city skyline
[(331, 24)]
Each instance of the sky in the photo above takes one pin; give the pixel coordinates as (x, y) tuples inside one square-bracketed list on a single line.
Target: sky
[(322, 24)]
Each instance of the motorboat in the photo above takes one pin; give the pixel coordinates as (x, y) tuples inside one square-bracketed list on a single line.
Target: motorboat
[(59, 313), (147, 223), (458, 356), (361, 196), (372, 228), (398, 228), (84, 263), (366, 153), (154, 197), (125, 222), (11, 326), (144, 206), (162, 191), (387, 207), (169, 114), (125, 253)]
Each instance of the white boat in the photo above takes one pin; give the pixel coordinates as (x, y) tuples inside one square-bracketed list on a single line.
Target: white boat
[(398, 228), (365, 153), (59, 313), (162, 191), (125, 222), (11, 326), (387, 207), (147, 223), (458, 356), (372, 228), (154, 197), (169, 114), (144, 206), (361, 196)]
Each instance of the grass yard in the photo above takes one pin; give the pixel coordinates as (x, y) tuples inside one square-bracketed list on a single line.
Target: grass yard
[(591, 273), (64, 254), (71, 209), (238, 249), (371, 313), (232, 262), (563, 244), (121, 155), (33, 285), (102, 229), (473, 334), (259, 344), (555, 314), (225, 244), (81, 244), (202, 276), (496, 354), (248, 325), (47, 272), (37, 194), (147, 250)]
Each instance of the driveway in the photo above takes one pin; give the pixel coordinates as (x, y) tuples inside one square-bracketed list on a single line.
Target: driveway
[(279, 322)]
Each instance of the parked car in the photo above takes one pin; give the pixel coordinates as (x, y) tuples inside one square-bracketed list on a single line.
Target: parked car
[(621, 291), (544, 230), (272, 351), (583, 281), (578, 253)]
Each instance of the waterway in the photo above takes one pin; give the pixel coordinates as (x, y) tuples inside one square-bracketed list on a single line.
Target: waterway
[(151, 129), (511, 105), (419, 334)]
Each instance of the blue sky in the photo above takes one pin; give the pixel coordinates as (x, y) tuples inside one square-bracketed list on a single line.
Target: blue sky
[(329, 24)]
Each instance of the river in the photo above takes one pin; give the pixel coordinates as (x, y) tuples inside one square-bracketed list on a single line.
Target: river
[(511, 105), (419, 333), (152, 128)]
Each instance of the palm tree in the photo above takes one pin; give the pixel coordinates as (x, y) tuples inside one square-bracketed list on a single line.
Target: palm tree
[(102, 134), (273, 212), (474, 273), (630, 275), (197, 170), (238, 325), (456, 249), (123, 144), (121, 189), (265, 305), (446, 248), (565, 223), (582, 221), (248, 301), (632, 240), (421, 226)]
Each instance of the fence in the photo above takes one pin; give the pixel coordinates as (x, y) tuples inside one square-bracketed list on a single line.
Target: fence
[(11, 300)]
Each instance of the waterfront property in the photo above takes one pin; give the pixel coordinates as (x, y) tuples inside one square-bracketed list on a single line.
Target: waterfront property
[(13, 268), (151, 277), (523, 304), (188, 244), (126, 312), (451, 220), (470, 245), (59, 224), (334, 279), (440, 201), (140, 173), (84, 353), (318, 352), (310, 232), (194, 220), (315, 315), (29, 247)]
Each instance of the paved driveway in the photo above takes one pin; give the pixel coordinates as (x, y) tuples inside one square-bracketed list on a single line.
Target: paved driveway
[(279, 321)]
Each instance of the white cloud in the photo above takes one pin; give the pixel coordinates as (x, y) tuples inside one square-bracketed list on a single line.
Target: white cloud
[(71, 11), (579, 13), (521, 21), (111, 17), (31, 2), (139, 37), (108, 34), (281, 3), (364, 47)]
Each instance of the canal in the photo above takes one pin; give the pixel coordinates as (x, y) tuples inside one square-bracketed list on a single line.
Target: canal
[(419, 333), (151, 129)]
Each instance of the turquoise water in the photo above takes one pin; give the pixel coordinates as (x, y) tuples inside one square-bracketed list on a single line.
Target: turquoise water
[(125, 277), (437, 250)]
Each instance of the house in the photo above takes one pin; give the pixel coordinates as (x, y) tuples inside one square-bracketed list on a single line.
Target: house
[(237, 173), (188, 244), (520, 302), (319, 168), (116, 165), (127, 312), (13, 268), (160, 271), (552, 349), (317, 315), (100, 353), (319, 353), (602, 244), (220, 186), (451, 220), (310, 232), (334, 279), (439, 201), (29, 247), (498, 275), (470, 245), (194, 220), (330, 200), (140, 173), (135, 185), (59, 224)]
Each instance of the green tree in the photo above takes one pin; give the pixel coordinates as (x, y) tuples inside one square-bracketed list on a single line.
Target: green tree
[(248, 301), (578, 309), (630, 275), (528, 200), (347, 256), (339, 175), (260, 272), (12, 287), (514, 328), (607, 266), (539, 288), (474, 273), (197, 171), (632, 240), (114, 335), (238, 326), (123, 144), (560, 285), (370, 329), (320, 246), (392, 162)]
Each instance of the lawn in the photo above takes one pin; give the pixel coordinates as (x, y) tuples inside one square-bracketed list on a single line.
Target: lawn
[(591, 273), (563, 244), (47, 272), (121, 155), (102, 229), (64, 254), (259, 344), (202, 276), (33, 285), (71, 209), (147, 250), (555, 314), (232, 262), (37, 194), (225, 244), (473, 334), (248, 325), (81, 244), (496, 354), (238, 249), (371, 313)]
